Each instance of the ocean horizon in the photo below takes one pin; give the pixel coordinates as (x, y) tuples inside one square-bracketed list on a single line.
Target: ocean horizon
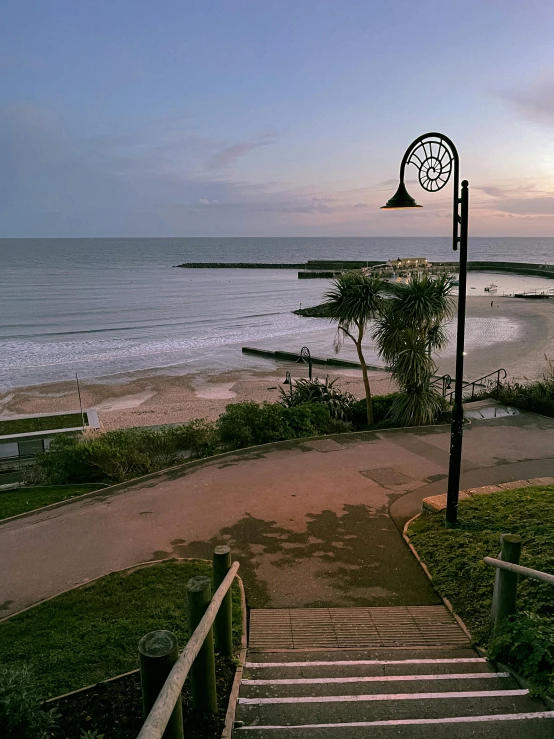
[(106, 306)]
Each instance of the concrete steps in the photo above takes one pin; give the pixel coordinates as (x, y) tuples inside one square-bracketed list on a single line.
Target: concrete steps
[(384, 693)]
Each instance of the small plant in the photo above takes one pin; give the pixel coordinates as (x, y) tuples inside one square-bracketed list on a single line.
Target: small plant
[(91, 735), (527, 640), (21, 715), (314, 391)]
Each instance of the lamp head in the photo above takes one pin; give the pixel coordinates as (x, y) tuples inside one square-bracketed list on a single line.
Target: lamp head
[(401, 199)]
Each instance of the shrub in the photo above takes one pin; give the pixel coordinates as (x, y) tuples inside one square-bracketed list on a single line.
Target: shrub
[(314, 391), (116, 456), (527, 642), (248, 424), (20, 706), (417, 408), (381, 409)]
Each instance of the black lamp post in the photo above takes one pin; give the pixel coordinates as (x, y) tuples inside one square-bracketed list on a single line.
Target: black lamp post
[(436, 158), (306, 357)]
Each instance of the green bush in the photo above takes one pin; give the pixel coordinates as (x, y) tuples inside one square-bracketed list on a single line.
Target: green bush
[(527, 640), (247, 424), (381, 409), (116, 456), (314, 391), (21, 716)]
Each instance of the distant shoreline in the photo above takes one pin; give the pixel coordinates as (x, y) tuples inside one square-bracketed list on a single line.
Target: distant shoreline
[(325, 268)]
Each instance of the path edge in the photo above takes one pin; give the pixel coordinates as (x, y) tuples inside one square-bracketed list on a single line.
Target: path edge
[(446, 602)]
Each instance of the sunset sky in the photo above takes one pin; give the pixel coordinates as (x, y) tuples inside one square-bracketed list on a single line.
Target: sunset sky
[(270, 117)]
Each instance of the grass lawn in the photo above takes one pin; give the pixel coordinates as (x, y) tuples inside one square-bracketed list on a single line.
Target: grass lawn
[(92, 633), (21, 500), (42, 423), (455, 559)]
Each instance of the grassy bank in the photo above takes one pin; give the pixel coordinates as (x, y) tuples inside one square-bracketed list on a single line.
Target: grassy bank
[(42, 423), (92, 633), (455, 559), (22, 500)]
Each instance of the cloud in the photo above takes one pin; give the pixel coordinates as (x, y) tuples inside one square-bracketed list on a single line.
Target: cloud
[(230, 154), (539, 206), (535, 101), (494, 192)]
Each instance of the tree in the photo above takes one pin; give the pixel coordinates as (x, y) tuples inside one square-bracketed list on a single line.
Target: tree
[(408, 331), (352, 302)]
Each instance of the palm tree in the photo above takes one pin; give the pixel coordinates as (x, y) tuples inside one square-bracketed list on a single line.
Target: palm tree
[(408, 331), (353, 300)]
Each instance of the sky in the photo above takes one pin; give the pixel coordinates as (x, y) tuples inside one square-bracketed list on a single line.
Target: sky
[(271, 117)]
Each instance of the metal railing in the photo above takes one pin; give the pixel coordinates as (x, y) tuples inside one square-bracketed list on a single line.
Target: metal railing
[(501, 374), (508, 570), (163, 671), (446, 383)]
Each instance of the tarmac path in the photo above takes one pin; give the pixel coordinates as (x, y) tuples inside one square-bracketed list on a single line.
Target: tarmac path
[(313, 523)]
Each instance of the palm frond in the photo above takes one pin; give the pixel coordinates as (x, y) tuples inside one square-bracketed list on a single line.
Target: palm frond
[(354, 299)]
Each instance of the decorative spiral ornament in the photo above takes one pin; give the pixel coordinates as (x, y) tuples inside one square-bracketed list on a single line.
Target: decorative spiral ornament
[(434, 163)]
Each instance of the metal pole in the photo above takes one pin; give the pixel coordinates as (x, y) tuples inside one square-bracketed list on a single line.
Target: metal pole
[(80, 403), (457, 428)]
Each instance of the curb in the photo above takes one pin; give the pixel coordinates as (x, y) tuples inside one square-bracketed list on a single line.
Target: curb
[(437, 503), (446, 602)]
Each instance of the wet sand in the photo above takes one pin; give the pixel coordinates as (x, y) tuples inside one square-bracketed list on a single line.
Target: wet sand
[(150, 397)]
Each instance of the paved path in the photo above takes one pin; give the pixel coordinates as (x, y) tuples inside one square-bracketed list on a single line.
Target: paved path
[(313, 523)]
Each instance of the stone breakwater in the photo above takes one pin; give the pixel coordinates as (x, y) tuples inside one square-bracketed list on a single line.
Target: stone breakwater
[(241, 265), (325, 268)]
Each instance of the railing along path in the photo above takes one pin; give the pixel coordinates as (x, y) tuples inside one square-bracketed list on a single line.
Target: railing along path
[(508, 571), (159, 649)]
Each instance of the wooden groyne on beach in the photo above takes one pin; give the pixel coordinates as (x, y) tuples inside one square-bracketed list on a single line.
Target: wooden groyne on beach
[(327, 268), (295, 357)]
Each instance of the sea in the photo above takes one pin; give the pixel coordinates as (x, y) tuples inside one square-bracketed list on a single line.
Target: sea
[(104, 308)]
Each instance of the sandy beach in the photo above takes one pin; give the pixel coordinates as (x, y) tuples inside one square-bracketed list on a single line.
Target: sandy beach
[(148, 398)]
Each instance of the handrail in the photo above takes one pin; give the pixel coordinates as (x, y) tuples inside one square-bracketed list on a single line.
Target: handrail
[(520, 570), (158, 718), (479, 380), (446, 383)]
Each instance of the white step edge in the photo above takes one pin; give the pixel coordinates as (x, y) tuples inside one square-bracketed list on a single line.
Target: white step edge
[(377, 679), (384, 697), (354, 662), (411, 722)]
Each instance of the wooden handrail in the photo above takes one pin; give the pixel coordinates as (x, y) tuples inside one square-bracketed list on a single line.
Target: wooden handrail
[(519, 570), (161, 711)]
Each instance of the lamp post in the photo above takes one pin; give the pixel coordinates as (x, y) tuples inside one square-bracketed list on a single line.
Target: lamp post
[(436, 159)]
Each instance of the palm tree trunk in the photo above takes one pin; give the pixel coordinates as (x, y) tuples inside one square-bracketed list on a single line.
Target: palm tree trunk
[(366, 382)]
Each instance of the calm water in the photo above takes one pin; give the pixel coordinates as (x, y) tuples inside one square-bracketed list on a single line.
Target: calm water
[(105, 306)]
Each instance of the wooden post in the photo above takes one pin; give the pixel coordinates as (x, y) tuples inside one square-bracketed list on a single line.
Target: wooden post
[(223, 624), (202, 673), (158, 652), (505, 583)]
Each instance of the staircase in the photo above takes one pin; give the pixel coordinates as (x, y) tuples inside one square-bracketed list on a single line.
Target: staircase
[(381, 689)]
